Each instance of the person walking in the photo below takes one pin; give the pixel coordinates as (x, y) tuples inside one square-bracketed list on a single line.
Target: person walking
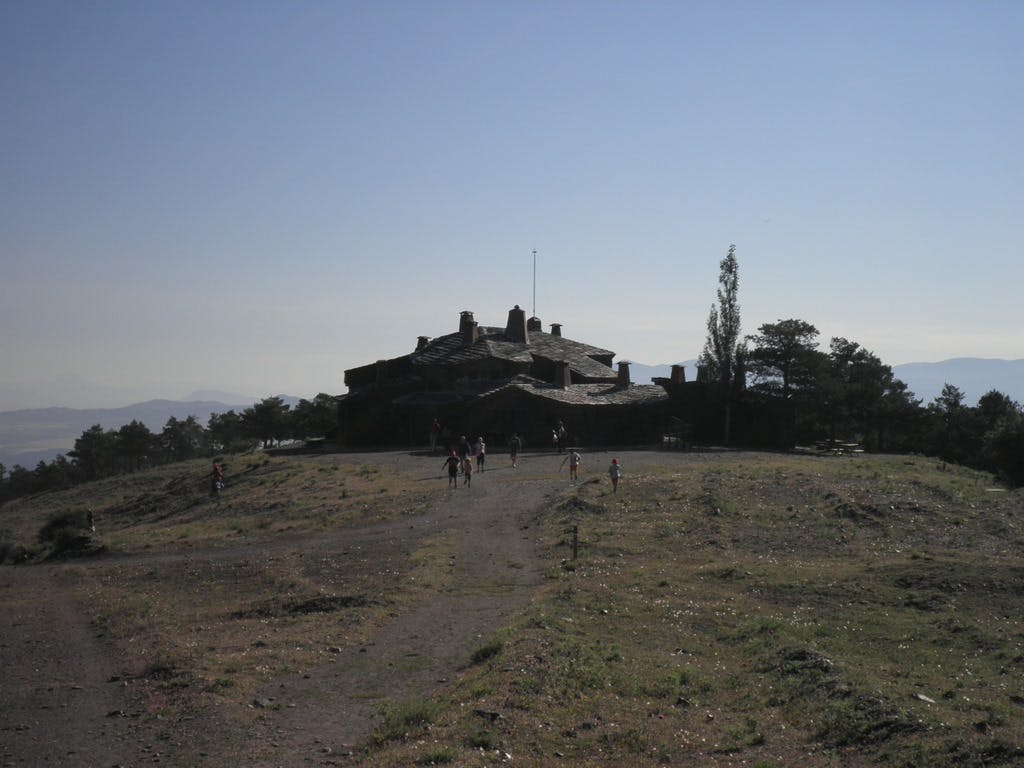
[(452, 464), (216, 480), (467, 470), (615, 472), (513, 448), (574, 460), (435, 433), (480, 449)]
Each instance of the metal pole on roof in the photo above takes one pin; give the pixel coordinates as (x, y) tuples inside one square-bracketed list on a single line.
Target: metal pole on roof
[(534, 282)]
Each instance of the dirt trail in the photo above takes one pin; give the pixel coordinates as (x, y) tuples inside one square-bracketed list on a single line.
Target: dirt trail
[(62, 699), (63, 702), (331, 710)]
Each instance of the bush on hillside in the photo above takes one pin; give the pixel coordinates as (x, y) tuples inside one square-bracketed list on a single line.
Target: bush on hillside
[(67, 532)]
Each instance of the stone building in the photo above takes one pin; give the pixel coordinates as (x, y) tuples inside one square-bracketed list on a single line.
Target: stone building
[(494, 381)]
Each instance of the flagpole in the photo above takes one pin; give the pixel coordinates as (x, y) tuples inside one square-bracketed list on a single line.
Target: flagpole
[(534, 282)]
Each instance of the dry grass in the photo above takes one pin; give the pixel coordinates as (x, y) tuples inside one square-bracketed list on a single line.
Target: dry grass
[(749, 610), (761, 611)]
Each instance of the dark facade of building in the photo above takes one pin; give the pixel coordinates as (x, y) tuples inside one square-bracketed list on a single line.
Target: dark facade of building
[(496, 381)]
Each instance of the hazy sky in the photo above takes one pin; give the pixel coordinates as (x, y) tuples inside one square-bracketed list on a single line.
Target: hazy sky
[(255, 196)]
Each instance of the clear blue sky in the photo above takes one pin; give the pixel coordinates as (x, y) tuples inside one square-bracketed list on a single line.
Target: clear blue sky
[(255, 196)]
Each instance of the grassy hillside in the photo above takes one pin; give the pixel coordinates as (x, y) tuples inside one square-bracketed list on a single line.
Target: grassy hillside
[(742, 609)]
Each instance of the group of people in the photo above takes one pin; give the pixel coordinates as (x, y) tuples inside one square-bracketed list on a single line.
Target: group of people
[(458, 462), (575, 460), (461, 461)]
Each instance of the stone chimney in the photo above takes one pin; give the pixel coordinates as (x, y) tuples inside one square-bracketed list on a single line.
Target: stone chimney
[(623, 373), (515, 329), (468, 328), (563, 374), (533, 324), (556, 329), (421, 342), (678, 374)]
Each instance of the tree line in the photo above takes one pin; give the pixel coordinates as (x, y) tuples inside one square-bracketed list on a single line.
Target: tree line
[(777, 388), (100, 453)]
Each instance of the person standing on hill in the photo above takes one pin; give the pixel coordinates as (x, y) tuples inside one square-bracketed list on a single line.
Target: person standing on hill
[(513, 448), (615, 472), (574, 460), (435, 433), (216, 479), (480, 450)]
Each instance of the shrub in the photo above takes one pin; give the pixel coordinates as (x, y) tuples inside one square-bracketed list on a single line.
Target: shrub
[(488, 651), (437, 756), (399, 720), (13, 553), (66, 532)]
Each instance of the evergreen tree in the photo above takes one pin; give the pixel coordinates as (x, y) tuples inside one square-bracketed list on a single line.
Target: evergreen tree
[(314, 418), (786, 366), (183, 440), (267, 420), (135, 444), (722, 358), (94, 453)]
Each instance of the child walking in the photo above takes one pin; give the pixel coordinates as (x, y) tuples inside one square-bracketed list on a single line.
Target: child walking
[(513, 448), (452, 463), (480, 449), (574, 460)]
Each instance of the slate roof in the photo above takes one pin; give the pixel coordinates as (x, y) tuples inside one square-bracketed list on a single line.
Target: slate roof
[(493, 343), (584, 394)]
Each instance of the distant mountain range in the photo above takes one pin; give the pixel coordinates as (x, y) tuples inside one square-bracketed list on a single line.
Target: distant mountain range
[(41, 434), (974, 377)]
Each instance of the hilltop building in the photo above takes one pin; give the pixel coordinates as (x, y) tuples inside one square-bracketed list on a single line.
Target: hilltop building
[(494, 381)]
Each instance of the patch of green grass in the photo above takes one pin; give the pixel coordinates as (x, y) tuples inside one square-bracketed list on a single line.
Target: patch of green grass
[(487, 651), (399, 721), (481, 738), (437, 756)]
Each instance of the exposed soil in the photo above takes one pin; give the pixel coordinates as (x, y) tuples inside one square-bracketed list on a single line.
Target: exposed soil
[(66, 698)]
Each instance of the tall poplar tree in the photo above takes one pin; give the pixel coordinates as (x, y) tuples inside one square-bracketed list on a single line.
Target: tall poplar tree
[(723, 355)]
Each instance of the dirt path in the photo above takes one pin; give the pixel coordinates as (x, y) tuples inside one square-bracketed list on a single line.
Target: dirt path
[(331, 710), (63, 700)]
